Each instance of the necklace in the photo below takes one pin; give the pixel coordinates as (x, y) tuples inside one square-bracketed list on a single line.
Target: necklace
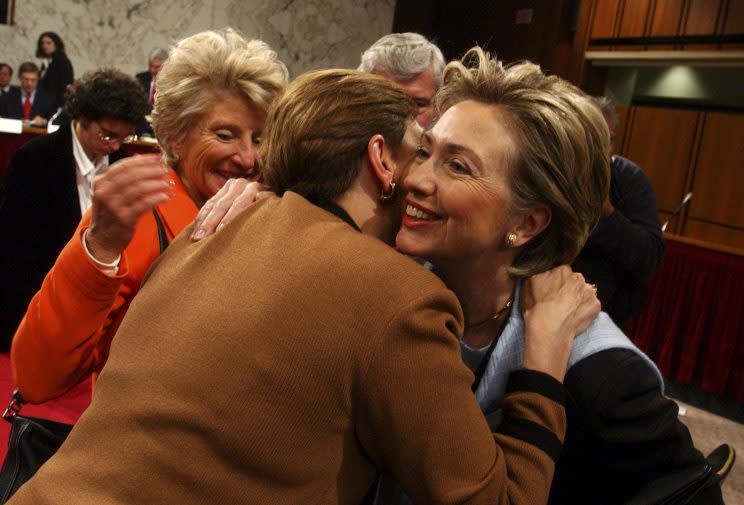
[(493, 316)]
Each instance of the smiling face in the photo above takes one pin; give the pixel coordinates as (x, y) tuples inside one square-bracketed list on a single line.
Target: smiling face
[(459, 201), (222, 144), (47, 46)]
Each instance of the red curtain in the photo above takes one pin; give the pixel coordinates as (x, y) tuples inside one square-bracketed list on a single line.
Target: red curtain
[(693, 325)]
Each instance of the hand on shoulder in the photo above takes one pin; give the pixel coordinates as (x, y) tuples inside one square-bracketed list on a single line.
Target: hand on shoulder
[(556, 305)]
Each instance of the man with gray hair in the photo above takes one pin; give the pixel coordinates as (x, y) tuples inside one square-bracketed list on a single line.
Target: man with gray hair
[(147, 78), (411, 61)]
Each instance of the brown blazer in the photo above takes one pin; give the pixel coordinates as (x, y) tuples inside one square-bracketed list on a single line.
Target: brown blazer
[(285, 360)]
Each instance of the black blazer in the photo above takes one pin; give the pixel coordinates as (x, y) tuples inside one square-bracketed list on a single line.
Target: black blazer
[(39, 215), (11, 106), (145, 79), (12, 87), (622, 435), (58, 75)]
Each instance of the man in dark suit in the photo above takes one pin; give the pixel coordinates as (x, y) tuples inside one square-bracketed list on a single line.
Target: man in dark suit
[(28, 102), (6, 73), (147, 78), (626, 247), (48, 184), (147, 81)]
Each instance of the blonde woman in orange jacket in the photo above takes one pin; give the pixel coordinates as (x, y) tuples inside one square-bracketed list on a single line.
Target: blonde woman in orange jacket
[(212, 96)]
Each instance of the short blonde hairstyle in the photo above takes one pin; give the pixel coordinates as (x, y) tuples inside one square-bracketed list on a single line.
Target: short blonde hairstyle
[(560, 158), (202, 66), (317, 133)]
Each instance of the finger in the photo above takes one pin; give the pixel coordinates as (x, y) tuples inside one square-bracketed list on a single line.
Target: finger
[(144, 204), (112, 184), (219, 205), (118, 205), (208, 205), (241, 203), (125, 214), (134, 167), (129, 194), (586, 312)]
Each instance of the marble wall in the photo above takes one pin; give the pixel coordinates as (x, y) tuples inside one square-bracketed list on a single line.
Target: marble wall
[(307, 34)]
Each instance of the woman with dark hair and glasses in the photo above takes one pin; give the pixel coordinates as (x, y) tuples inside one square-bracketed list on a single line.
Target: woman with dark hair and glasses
[(56, 69), (48, 184)]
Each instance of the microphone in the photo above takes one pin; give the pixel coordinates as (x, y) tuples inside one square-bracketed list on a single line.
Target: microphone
[(684, 201), (51, 127)]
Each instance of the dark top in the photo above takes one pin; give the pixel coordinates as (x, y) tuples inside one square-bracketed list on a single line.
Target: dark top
[(626, 247), (39, 215), (3, 92), (622, 433), (144, 128), (145, 79), (56, 78), (11, 105)]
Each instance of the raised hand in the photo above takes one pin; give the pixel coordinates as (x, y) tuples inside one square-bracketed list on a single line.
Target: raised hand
[(128, 189)]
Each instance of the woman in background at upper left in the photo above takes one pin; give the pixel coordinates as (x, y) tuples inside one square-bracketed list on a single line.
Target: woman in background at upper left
[(56, 68), (212, 95)]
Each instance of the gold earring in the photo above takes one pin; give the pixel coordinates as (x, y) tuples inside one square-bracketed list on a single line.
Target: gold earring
[(383, 196), (510, 239)]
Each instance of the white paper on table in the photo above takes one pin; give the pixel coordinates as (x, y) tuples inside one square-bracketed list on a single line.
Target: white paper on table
[(11, 125)]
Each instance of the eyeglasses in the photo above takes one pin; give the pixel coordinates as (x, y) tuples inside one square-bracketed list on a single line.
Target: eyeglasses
[(111, 137)]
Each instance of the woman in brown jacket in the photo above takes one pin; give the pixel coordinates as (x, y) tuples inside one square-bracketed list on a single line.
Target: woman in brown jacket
[(298, 355)]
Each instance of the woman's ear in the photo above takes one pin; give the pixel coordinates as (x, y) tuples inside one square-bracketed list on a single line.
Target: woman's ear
[(380, 161), (531, 223), (176, 150)]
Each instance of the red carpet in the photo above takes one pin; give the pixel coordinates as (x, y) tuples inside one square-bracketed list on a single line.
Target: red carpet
[(66, 409)]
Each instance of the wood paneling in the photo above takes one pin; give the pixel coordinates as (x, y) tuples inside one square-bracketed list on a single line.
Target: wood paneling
[(718, 180), (734, 17), (606, 13), (666, 18), (415, 16), (666, 21), (634, 18), (734, 22), (661, 142), (714, 233), (701, 17)]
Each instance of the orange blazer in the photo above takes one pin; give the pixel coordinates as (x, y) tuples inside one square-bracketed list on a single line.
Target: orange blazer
[(66, 333)]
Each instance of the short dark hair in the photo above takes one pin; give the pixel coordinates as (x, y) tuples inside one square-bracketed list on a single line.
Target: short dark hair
[(28, 66), (3, 65), (59, 46), (106, 93)]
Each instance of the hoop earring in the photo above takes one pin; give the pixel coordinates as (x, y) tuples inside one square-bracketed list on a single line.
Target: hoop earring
[(510, 239), (384, 197)]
